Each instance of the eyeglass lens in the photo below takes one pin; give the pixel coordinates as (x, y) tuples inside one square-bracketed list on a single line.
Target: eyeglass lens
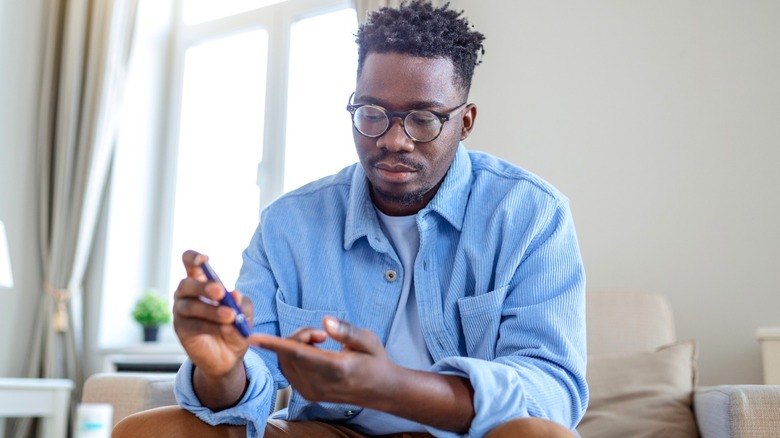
[(420, 125)]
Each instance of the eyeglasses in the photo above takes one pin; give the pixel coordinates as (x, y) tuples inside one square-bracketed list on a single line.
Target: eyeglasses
[(422, 126)]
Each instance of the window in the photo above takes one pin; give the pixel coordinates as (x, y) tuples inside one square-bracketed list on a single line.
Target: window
[(199, 11), (246, 104), (316, 102), (220, 139)]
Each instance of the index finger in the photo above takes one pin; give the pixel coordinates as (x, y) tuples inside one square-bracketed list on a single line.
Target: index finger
[(192, 261), (288, 346)]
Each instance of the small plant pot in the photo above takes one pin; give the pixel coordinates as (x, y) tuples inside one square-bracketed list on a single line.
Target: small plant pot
[(151, 334)]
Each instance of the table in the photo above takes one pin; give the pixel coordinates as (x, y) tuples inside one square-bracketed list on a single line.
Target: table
[(769, 337), (45, 398)]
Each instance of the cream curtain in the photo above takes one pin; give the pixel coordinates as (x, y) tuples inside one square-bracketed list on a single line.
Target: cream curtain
[(86, 52), (363, 7)]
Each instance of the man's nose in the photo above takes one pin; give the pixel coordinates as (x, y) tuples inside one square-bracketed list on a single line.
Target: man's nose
[(395, 139)]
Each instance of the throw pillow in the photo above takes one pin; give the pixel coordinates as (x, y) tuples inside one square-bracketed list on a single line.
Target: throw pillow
[(642, 394)]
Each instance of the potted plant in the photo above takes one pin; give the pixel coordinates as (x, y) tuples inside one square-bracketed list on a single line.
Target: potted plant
[(151, 311)]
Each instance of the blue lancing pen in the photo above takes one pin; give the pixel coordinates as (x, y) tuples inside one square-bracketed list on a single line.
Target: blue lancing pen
[(227, 300)]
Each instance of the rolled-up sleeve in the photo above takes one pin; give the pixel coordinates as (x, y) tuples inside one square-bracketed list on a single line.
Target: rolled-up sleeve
[(253, 408)]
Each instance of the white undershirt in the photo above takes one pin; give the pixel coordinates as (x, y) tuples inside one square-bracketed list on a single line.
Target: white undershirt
[(405, 343)]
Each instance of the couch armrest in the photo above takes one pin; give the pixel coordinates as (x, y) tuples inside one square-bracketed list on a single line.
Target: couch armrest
[(129, 393), (737, 411)]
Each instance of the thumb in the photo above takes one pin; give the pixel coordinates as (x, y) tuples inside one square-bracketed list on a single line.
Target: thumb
[(351, 337)]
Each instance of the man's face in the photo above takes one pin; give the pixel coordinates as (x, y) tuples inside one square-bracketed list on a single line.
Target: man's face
[(405, 175)]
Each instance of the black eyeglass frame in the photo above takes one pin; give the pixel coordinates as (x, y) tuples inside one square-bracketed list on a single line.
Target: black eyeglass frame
[(443, 117)]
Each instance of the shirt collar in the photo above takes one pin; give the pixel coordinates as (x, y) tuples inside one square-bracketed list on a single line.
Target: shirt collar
[(449, 202)]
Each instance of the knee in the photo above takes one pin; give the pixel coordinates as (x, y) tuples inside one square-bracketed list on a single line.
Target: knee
[(152, 423), (530, 427), (172, 422), (129, 426)]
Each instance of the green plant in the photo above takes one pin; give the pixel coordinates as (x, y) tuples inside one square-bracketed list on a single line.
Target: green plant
[(151, 310)]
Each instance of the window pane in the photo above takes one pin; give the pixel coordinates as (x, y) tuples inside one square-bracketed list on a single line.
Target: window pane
[(323, 65), (220, 146), (198, 11)]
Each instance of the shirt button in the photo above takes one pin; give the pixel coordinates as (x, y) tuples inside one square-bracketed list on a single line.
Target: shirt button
[(349, 413), (390, 275)]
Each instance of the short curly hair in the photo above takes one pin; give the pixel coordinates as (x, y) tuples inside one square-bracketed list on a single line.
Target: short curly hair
[(420, 29)]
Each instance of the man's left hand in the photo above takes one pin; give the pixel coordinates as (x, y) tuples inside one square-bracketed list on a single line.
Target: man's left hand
[(361, 373)]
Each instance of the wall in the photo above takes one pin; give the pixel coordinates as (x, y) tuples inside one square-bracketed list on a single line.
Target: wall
[(21, 25), (21, 41), (660, 121)]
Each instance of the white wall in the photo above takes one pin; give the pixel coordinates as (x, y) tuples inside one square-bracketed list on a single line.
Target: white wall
[(21, 40), (20, 47), (661, 121)]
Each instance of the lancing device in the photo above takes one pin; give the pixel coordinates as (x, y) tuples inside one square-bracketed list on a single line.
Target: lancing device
[(227, 300)]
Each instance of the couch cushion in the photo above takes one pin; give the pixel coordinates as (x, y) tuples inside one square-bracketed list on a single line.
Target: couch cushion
[(642, 394)]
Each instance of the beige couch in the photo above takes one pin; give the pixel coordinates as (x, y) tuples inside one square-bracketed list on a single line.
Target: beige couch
[(642, 381)]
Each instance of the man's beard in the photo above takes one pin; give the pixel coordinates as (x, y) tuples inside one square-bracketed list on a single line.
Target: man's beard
[(405, 199)]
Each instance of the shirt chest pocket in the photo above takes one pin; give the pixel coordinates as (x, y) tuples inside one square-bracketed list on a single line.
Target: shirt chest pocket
[(480, 318), (292, 318)]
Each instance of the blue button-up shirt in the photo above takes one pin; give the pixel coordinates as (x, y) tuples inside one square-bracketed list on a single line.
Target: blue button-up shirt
[(498, 277)]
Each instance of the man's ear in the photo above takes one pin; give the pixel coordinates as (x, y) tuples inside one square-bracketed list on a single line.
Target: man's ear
[(469, 116)]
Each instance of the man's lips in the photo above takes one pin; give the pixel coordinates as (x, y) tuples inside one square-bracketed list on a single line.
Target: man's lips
[(394, 172), (394, 167)]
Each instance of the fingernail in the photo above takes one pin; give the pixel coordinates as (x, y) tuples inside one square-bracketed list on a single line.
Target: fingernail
[(332, 324), (214, 290), (226, 312)]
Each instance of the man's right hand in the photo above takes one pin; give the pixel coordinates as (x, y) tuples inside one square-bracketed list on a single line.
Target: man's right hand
[(207, 333)]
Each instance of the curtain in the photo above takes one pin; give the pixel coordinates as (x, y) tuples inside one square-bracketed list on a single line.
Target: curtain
[(86, 53), (363, 7)]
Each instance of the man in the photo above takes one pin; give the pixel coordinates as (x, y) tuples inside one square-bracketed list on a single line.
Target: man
[(425, 290)]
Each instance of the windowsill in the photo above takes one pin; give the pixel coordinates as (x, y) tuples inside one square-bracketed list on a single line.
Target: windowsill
[(164, 356), (146, 348)]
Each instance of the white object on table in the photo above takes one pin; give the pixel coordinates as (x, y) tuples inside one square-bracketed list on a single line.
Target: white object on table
[(769, 337), (94, 420), (45, 398)]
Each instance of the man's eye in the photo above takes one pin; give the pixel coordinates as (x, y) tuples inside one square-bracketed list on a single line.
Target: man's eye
[(373, 117), (370, 114), (423, 118)]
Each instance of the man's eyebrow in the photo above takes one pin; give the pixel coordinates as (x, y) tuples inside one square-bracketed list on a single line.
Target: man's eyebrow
[(422, 104)]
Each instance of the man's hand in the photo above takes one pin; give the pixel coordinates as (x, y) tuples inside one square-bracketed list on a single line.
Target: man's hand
[(207, 334), (357, 374), (363, 375)]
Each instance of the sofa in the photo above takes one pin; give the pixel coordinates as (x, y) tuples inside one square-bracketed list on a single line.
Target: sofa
[(642, 381)]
